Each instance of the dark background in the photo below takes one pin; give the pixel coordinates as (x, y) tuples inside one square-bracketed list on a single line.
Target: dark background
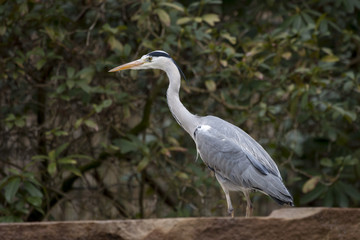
[(77, 142)]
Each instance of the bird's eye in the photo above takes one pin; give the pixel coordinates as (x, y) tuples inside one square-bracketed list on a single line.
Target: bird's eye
[(149, 59)]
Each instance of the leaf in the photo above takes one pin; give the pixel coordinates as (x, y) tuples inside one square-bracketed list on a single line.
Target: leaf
[(67, 160), (328, 51), (286, 55), (52, 168), (198, 20), (39, 64), (2, 30), (310, 184), (349, 5), (329, 198), (224, 63), (37, 51), (182, 175), (210, 85), (10, 219), (35, 201), (177, 149), (107, 103), (52, 155), (332, 134), (341, 198), (259, 75), (86, 73), (350, 161), (330, 59), (326, 162), (348, 115), (351, 191), (73, 170), (78, 123), (107, 28), (127, 50), (211, 19), (70, 83), (104, 104), (142, 164), (19, 122), (166, 152), (11, 189), (50, 32), (307, 18), (39, 157), (2, 182), (115, 44), (173, 5), (59, 133), (297, 22), (302, 70), (91, 124), (60, 89), (70, 72), (85, 87), (10, 117), (350, 74), (32, 190), (228, 37), (61, 149), (348, 86), (148, 44), (183, 20), (80, 156), (127, 146), (163, 16), (314, 194)]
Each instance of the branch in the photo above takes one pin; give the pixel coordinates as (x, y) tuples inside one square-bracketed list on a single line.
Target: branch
[(66, 187), (159, 190), (220, 100), (145, 121)]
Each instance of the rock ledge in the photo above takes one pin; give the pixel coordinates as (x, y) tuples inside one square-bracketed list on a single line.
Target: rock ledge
[(288, 223)]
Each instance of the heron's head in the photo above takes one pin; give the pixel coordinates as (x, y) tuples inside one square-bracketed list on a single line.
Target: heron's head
[(156, 60)]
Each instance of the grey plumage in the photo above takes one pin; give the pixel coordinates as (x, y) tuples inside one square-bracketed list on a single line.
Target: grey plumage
[(238, 161)]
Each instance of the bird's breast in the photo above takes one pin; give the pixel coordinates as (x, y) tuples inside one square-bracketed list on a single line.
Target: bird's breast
[(204, 128)]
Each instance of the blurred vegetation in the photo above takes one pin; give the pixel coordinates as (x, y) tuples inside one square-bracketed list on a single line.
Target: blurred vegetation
[(77, 142)]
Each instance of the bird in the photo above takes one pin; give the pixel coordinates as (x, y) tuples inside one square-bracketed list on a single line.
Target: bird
[(239, 162)]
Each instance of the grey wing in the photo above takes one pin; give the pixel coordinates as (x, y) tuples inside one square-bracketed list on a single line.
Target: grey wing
[(245, 141), (224, 157), (237, 166)]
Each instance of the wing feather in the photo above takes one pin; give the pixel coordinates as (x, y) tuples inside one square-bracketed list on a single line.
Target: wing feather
[(224, 156), (236, 166), (245, 142)]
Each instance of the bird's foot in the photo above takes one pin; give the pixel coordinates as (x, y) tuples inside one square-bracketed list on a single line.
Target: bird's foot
[(231, 212), (249, 210)]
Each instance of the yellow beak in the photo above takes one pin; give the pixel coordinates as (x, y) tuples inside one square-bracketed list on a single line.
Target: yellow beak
[(127, 66)]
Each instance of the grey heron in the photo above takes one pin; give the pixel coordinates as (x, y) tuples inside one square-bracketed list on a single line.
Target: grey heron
[(237, 160)]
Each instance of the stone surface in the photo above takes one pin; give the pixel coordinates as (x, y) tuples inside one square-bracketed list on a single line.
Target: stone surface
[(288, 223)]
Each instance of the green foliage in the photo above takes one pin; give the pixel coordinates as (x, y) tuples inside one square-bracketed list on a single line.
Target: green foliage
[(78, 142), (22, 192)]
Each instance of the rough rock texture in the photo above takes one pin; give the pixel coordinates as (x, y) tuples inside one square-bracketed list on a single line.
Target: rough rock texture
[(289, 223)]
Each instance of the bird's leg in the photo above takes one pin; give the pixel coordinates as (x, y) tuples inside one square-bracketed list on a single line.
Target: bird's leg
[(227, 195), (228, 200), (249, 207)]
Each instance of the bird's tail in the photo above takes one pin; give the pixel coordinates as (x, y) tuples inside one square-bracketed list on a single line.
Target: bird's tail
[(281, 202), (277, 191), (271, 185)]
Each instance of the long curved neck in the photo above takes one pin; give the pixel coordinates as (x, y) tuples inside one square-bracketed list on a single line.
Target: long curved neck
[(186, 119)]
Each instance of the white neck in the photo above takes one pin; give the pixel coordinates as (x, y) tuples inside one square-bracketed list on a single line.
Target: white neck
[(186, 119)]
